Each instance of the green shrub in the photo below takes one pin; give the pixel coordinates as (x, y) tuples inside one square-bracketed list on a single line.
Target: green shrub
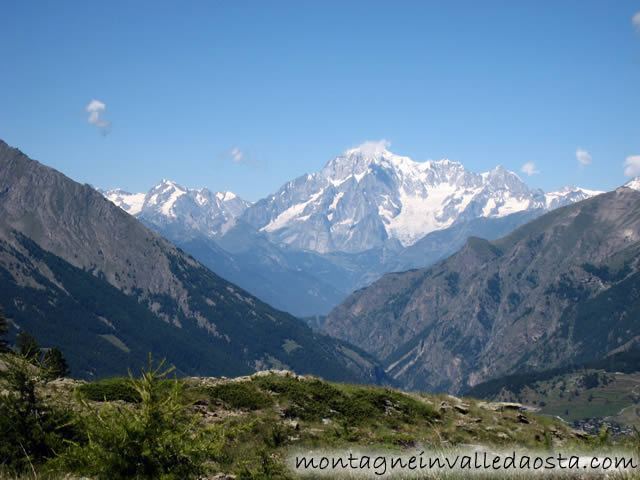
[(367, 406), (314, 400), (245, 395), (305, 399), (110, 389), (4, 329), (28, 347), (54, 364), (269, 469), (30, 430), (363, 406), (154, 438)]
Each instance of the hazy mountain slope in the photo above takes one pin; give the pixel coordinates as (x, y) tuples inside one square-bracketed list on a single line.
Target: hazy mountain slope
[(533, 299), (82, 228), (267, 273), (205, 225)]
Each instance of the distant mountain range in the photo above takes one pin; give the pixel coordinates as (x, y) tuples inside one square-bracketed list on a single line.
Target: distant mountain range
[(370, 198), (81, 274), (84, 275), (182, 210), (324, 235), (564, 288)]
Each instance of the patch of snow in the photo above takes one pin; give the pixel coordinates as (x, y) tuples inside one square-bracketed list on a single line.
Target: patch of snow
[(593, 193), (420, 215), (384, 213), (348, 221), (633, 183), (129, 202), (360, 176), (338, 182), (336, 199), (135, 202), (629, 235), (289, 214), (512, 205), (552, 198), (167, 206), (488, 208)]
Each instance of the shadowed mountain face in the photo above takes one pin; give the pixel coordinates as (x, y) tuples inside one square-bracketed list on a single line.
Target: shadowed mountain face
[(82, 274), (562, 288)]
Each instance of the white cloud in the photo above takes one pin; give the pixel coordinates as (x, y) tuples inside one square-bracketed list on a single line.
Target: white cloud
[(635, 20), (529, 168), (632, 166), (583, 157), (372, 147), (96, 110), (236, 155), (242, 157)]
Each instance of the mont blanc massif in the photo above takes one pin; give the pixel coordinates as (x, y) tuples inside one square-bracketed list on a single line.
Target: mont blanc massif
[(321, 236), (376, 269)]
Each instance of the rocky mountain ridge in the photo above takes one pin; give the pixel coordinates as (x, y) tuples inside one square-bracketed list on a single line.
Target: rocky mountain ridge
[(551, 292)]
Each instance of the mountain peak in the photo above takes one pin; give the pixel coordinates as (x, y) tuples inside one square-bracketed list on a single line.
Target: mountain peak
[(502, 178), (500, 171), (164, 183), (568, 189), (634, 183), (356, 161), (444, 161), (371, 149), (226, 196)]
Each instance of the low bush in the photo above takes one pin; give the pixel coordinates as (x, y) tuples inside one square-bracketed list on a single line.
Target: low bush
[(109, 389), (243, 395), (306, 399)]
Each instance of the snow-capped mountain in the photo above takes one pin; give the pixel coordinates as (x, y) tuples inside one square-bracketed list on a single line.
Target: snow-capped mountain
[(204, 224), (323, 235), (130, 202), (370, 198), (634, 183), (171, 206)]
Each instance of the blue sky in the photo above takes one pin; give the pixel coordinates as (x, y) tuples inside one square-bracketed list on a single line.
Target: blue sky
[(183, 90)]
